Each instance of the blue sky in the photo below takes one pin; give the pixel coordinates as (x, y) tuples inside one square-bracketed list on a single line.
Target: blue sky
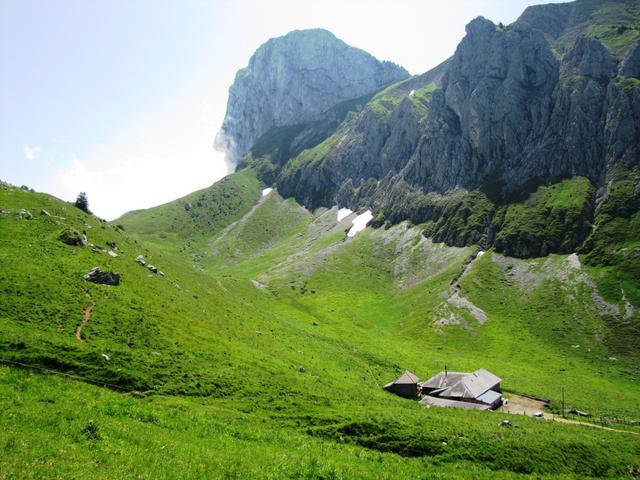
[(122, 99)]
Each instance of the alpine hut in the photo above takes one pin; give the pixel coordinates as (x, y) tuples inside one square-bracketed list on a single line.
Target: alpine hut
[(480, 389), (406, 385)]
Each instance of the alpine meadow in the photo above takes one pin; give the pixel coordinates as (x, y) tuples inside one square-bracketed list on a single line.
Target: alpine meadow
[(426, 276)]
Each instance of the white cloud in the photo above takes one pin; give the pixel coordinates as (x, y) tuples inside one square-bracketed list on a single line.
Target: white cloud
[(163, 159), (30, 153)]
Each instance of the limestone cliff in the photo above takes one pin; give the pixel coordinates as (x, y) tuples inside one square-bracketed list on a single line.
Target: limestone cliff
[(295, 79)]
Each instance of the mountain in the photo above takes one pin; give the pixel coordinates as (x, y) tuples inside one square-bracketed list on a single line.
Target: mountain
[(246, 330), (294, 79), (518, 110)]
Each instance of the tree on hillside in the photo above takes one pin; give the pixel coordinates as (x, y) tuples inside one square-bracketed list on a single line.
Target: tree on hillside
[(82, 202)]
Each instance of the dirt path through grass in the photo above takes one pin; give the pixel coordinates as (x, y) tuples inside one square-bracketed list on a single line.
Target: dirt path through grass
[(457, 300), (86, 316), (519, 405)]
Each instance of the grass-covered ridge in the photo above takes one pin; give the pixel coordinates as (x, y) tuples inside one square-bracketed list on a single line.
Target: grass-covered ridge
[(552, 219), (616, 25), (209, 209)]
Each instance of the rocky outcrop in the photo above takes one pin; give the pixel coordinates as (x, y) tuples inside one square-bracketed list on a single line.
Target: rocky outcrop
[(71, 236), (294, 79), (97, 275)]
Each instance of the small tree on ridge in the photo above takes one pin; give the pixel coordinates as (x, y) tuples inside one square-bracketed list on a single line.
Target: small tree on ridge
[(82, 202)]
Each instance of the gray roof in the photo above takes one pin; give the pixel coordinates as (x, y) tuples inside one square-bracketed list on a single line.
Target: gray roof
[(407, 378), (443, 402), (489, 397), (443, 381), (462, 385)]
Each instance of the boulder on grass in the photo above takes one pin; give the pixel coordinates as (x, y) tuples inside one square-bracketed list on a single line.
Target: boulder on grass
[(24, 214), (96, 275), (71, 236)]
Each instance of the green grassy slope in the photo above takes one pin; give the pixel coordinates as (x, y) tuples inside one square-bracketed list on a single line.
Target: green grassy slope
[(262, 351), (206, 211)]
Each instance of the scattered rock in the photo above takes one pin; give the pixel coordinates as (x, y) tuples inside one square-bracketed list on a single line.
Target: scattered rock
[(111, 253), (140, 260), (506, 423), (97, 249), (73, 237), (105, 357), (24, 214), (161, 273), (44, 213), (574, 411), (96, 275), (301, 370), (188, 206), (112, 245), (152, 268)]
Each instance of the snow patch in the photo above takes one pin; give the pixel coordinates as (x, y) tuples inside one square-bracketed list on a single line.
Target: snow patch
[(412, 93), (360, 222), (574, 261), (343, 213), (266, 191)]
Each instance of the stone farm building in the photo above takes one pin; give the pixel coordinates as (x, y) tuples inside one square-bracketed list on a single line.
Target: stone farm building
[(480, 389), (406, 385)]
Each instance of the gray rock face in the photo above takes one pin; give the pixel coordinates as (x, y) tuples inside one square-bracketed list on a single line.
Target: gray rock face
[(96, 275), (631, 64), (294, 79), (517, 107), (513, 108)]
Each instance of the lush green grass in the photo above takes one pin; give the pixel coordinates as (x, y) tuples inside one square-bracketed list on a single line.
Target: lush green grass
[(282, 379), (552, 219), (388, 99), (421, 99), (208, 210), (616, 25)]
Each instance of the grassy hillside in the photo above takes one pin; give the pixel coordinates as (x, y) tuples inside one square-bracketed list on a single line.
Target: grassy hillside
[(206, 211), (262, 350)]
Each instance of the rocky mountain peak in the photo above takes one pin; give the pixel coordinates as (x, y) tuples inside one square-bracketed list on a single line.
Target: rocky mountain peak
[(294, 79)]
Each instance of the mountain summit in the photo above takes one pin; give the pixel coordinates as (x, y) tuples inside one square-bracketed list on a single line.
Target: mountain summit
[(516, 109), (294, 79)]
